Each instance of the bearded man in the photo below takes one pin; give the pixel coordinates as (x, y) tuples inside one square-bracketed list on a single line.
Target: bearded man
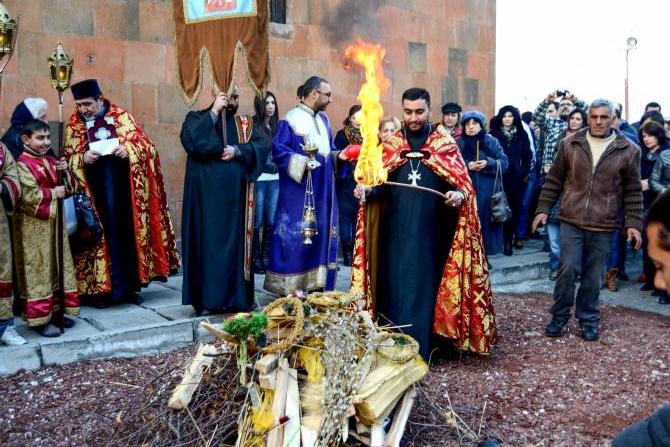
[(419, 260), (127, 192), (225, 155), (295, 264)]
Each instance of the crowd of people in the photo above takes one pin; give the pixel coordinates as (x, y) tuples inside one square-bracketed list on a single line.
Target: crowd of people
[(117, 235), (264, 195)]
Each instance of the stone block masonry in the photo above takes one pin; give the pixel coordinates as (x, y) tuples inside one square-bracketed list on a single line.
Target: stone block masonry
[(447, 46)]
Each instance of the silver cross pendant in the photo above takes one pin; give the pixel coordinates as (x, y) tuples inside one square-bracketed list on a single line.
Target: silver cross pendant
[(414, 176)]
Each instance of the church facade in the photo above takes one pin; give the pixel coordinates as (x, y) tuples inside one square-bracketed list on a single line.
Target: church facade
[(446, 46)]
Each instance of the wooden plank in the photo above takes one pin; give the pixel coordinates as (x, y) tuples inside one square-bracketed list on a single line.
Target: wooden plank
[(292, 427), (276, 434), (267, 363), (377, 435), (400, 419), (268, 381), (182, 394)]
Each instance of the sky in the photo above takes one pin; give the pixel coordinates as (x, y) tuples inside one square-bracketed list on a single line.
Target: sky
[(580, 46)]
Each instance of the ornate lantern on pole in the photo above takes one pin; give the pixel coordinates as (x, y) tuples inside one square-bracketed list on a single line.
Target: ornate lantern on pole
[(60, 71), (8, 30)]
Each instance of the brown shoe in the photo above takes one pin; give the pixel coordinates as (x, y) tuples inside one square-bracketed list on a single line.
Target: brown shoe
[(611, 280)]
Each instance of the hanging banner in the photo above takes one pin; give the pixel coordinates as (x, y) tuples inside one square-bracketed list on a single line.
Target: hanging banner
[(201, 10), (220, 30)]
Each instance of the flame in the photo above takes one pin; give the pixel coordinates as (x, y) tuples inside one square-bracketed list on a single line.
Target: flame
[(370, 168)]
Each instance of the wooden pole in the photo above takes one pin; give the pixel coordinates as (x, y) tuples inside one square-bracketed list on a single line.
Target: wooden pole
[(60, 233)]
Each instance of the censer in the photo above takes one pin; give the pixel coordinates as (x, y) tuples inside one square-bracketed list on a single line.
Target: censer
[(308, 226)]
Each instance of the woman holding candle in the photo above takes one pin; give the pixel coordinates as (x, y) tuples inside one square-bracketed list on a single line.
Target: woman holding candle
[(484, 156)]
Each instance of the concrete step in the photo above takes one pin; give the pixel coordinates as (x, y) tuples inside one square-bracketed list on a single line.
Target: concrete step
[(162, 323)]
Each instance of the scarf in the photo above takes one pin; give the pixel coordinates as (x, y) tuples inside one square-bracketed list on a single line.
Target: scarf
[(353, 135), (509, 133)]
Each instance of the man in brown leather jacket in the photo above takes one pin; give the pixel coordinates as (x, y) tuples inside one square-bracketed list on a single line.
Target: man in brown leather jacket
[(597, 171)]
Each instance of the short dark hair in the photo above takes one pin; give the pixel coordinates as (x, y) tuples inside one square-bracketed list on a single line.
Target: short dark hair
[(658, 213), (414, 93), (299, 93), (352, 110), (33, 126), (653, 129), (652, 104), (654, 116), (312, 84), (527, 117), (582, 113)]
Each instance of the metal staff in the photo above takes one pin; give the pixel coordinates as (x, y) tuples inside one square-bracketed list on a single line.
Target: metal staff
[(60, 70)]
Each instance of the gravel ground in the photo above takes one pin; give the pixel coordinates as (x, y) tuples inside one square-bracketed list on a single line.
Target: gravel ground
[(531, 391)]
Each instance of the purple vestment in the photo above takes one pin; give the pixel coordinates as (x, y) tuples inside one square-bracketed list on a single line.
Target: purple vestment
[(293, 265)]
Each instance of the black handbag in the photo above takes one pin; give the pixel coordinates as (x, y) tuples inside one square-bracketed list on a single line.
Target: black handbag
[(89, 229), (500, 210)]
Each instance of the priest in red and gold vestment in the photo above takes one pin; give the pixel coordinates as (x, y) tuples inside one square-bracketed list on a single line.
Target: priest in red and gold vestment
[(128, 194), (419, 261)]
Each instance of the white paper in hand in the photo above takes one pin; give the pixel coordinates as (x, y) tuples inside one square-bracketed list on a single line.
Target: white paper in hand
[(102, 138)]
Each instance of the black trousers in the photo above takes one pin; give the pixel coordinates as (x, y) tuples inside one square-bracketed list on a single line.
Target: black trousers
[(582, 251)]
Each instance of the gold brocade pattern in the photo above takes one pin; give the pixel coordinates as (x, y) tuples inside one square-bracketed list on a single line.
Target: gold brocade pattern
[(35, 243), (155, 240), (464, 308), (9, 176), (309, 280), (296, 167)]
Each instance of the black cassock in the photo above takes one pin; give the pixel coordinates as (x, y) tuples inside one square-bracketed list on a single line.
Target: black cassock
[(213, 213)]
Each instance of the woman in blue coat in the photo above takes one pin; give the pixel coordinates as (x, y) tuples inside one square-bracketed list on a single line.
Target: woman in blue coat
[(482, 154)]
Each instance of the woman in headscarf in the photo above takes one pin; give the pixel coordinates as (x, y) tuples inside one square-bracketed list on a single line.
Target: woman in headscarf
[(483, 156), (345, 183), (29, 109), (508, 129)]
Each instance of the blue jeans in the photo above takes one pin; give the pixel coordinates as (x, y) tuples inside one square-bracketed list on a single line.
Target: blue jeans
[(4, 324), (267, 194), (554, 234), (531, 193)]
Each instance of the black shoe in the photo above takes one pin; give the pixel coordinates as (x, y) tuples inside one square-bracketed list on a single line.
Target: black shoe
[(663, 299), (100, 303), (554, 328), (658, 293), (623, 276), (68, 322), (134, 298), (647, 287), (507, 249), (48, 330), (546, 248), (590, 333)]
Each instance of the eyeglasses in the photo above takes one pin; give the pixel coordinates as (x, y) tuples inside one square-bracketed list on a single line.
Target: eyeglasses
[(328, 94)]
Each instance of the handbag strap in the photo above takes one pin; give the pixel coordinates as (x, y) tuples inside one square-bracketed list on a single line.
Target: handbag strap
[(497, 185)]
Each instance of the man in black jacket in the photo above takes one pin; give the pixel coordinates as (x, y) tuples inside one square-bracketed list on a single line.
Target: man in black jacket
[(654, 431)]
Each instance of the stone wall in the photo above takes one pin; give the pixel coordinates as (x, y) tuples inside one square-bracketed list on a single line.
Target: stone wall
[(447, 46)]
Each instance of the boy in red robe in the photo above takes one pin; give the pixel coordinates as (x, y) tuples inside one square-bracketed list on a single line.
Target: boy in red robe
[(35, 234)]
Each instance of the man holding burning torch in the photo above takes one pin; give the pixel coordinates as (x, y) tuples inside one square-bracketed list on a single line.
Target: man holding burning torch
[(418, 258)]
